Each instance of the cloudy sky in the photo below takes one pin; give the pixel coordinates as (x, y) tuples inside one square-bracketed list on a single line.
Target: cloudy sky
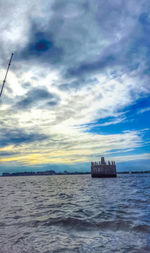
[(79, 84)]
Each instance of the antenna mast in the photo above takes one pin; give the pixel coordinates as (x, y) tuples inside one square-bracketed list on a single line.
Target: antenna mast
[(6, 74)]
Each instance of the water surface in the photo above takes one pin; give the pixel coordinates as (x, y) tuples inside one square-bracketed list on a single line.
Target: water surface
[(75, 213)]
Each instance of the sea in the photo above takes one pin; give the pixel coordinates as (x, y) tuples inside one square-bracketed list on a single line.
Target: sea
[(75, 213)]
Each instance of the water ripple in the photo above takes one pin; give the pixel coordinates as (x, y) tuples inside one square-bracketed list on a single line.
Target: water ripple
[(75, 214)]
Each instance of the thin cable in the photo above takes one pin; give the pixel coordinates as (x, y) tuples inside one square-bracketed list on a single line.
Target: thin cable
[(6, 74)]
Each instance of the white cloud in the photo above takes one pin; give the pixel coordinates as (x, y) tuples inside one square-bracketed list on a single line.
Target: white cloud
[(145, 156), (144, 110)]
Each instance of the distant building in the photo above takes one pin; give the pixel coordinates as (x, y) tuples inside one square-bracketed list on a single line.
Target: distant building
[(32, 173), (101, 169)]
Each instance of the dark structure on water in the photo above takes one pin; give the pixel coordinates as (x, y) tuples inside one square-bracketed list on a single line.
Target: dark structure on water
[(101, 169)]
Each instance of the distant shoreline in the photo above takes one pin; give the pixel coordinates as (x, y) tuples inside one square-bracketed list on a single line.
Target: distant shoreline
[(42, 173), (53, 173), (133, 172)]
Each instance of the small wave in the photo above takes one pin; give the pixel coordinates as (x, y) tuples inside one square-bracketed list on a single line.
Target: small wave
[(2, 224), (142, 228), (69, 222), (83, 224), (115, 225)]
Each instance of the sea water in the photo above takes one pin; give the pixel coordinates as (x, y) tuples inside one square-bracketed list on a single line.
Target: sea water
[(75, 213)]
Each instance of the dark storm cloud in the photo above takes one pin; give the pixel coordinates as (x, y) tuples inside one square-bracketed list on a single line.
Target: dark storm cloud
[(18, 136), (41, 47), (84, 37), (37, 97)]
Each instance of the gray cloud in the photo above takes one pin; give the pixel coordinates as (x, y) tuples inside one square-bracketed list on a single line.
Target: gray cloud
[(41, 48), (78, 84), (26, 85), (3, 153), (19, 136), (83, 38), (38, 97)]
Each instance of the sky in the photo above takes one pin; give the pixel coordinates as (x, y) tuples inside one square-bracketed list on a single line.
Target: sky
[(79, 84)]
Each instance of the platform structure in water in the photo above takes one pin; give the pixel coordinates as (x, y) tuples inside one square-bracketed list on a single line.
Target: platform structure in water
[(101, 169)]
